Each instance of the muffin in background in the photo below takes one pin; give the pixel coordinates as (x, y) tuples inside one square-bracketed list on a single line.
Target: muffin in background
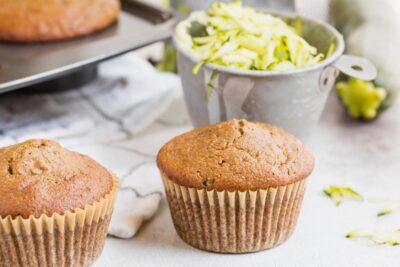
[(235, 186), (55, 205), (26, 21)]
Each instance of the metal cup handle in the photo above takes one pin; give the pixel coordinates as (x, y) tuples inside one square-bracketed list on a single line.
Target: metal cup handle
[(357, 67)]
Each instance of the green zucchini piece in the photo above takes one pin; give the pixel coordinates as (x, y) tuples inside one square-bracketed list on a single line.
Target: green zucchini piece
[(362, 99)]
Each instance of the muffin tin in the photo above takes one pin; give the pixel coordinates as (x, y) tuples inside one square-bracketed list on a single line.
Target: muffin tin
[(23, 65)]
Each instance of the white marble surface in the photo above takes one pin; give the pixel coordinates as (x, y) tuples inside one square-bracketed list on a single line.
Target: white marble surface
[(362, 155)]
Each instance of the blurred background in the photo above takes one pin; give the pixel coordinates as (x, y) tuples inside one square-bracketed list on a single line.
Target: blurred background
[(370, 29)]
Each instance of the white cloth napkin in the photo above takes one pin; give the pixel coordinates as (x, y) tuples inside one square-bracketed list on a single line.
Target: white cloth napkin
[(137, 201), (128, 95), (131, 210)]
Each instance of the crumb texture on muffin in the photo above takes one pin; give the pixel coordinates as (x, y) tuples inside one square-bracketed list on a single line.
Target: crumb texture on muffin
[(48, 20), (235, 155), (40, 177)]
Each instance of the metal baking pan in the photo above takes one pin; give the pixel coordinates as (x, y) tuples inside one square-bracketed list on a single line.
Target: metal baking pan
[(138, 24)]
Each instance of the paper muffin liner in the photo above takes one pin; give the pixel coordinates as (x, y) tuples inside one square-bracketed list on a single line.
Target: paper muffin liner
[(234, 222), (75, 238)]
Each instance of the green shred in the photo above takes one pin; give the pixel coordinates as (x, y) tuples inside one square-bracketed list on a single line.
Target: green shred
[(241, 37), (337, 194), (211, 84), (197, 67), (388, 210), (331, 49), (362, 99), (391, 240), (298, 26)]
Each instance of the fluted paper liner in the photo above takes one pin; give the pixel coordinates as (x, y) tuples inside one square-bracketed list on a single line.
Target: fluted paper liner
[(75, 238), (234, 222)]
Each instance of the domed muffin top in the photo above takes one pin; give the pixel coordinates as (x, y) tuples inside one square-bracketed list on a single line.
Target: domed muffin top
[(40, 177), (235, 155)]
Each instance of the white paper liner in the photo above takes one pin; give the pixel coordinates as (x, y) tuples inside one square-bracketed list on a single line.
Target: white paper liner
[(75, 238), (234, 222)]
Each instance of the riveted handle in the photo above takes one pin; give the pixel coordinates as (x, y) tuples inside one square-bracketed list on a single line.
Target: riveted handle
[(356, 67)]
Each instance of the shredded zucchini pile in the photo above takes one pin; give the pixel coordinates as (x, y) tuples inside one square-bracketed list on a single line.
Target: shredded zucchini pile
[(242, 37)]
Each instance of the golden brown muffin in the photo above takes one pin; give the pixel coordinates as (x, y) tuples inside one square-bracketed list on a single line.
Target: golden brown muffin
[(55, 205), (235, 155), (235, 186), (50, 20), (40, 177)]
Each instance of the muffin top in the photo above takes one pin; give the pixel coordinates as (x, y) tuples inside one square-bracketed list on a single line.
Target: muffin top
[(40, 177), (50, 20), (235, 155)]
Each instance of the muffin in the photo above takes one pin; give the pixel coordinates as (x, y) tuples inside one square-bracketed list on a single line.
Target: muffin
[(55, 205), (50, 20), (235, 186)]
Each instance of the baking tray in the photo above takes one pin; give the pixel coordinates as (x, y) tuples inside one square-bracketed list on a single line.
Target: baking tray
[(138, 24)]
